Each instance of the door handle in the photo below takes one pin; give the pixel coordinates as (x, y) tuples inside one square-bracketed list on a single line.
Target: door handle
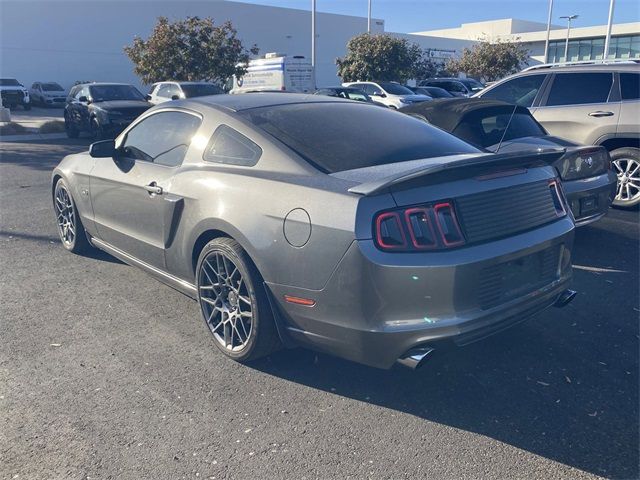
[(153, 188), (600, 113)]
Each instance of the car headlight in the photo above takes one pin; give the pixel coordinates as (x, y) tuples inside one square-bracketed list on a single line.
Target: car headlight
[(403, 100), (583, 162)]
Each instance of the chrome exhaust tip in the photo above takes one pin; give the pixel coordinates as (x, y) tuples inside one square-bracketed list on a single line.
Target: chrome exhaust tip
[(415, 357), (565, 298)]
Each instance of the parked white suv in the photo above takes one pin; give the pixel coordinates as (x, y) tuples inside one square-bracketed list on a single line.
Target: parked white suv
[(166, 91), (391, 94)]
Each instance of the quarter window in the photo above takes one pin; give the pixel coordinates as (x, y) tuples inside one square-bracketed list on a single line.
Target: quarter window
[(580, 88), (162, 138), (230, 147), (630, 86), (520, 91)]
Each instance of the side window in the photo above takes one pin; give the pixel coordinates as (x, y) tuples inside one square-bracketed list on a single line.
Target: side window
[(174, 90), (455, 87), (630, 86), (164, 91), (82, 92), (162, 138), (375, 90), (580, 88), (521, 90), (231, 148)]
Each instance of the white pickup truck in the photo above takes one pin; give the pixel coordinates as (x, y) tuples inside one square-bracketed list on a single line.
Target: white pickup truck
[(13, 93)]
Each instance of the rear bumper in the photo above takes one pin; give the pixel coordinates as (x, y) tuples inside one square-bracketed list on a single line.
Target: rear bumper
[(377, 306), (590, 198)]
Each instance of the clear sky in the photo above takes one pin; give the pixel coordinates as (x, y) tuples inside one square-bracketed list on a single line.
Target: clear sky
[(416, 15)]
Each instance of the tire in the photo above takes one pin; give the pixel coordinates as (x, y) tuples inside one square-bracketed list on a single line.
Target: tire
[(97, 132), (626, 164), (70, 228), (70, 129), (238, 313)]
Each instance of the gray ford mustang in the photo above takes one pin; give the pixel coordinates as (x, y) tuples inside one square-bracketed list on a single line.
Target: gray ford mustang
[(316, 221)]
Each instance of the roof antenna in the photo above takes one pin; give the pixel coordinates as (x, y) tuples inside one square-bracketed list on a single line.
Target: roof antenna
[(504, 134)]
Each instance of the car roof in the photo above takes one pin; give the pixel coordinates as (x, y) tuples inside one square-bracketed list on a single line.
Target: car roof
[(246, 101), (448, 113), (623, 67), (101, 84)]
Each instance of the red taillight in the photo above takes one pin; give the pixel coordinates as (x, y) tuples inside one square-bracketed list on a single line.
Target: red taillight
[(428, 227), (389, 231), (558, 198)]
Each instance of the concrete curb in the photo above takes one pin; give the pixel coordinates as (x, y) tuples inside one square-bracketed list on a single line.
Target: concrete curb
[(32, 136)]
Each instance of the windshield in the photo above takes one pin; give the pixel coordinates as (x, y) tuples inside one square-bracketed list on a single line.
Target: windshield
[(201, 89), (335, 137), (473, 85), (102, 93), (437, 92), (395, 89), (52, 87), (9, 82)]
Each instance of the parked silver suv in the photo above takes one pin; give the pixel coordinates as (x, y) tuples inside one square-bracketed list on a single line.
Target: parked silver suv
[(591, 104)]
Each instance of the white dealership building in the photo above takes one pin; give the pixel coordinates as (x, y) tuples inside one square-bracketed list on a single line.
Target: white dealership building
[(68, 41)]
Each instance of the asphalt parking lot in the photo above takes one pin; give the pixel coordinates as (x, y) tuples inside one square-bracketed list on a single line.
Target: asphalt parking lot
[(107, 373)]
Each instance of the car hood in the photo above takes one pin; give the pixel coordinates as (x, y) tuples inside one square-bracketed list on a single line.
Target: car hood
[(54, 94), (123, 106), (531, 143), (13, 88), (415, 98)]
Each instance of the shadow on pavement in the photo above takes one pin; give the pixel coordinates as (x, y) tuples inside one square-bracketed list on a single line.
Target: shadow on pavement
[(43, 155), (92, 253), (563, 385)]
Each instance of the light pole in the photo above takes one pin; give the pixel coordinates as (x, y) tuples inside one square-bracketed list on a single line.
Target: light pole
[(607, 39), (546, 45), (313, 42), (369, 18), (566, 44)]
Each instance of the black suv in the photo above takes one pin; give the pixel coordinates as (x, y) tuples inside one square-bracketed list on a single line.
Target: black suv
[(102, 109)]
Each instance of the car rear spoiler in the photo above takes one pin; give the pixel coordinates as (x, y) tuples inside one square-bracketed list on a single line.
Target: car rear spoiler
[(470, 166)]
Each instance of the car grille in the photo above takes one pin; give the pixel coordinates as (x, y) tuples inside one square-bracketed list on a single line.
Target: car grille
[(12, 95), (499, 213), (505, 281)]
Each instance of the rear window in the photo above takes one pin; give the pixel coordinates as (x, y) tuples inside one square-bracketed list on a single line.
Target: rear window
[(630, 86), (335, 137), (580, 88), (485, 131)]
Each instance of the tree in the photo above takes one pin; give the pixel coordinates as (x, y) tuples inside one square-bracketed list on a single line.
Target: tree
[(189, 50), (490, 60), (379, 57)]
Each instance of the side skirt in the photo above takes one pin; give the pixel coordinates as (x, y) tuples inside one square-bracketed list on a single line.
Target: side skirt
[(174, 282)]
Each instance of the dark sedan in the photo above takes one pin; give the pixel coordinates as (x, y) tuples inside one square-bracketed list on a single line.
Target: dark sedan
[(588, 180), (102, 109)]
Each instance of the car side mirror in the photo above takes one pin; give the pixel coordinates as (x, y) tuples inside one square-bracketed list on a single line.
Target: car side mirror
[(103, 149), (175, 97), (147, 97), (379, 94), (83, 99)]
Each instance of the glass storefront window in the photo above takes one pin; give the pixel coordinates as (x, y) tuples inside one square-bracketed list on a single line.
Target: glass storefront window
[(621, 47)]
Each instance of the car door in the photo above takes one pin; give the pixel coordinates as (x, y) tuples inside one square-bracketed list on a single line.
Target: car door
[(79, 109), (580, 106), (628, 125), (131, 195)]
